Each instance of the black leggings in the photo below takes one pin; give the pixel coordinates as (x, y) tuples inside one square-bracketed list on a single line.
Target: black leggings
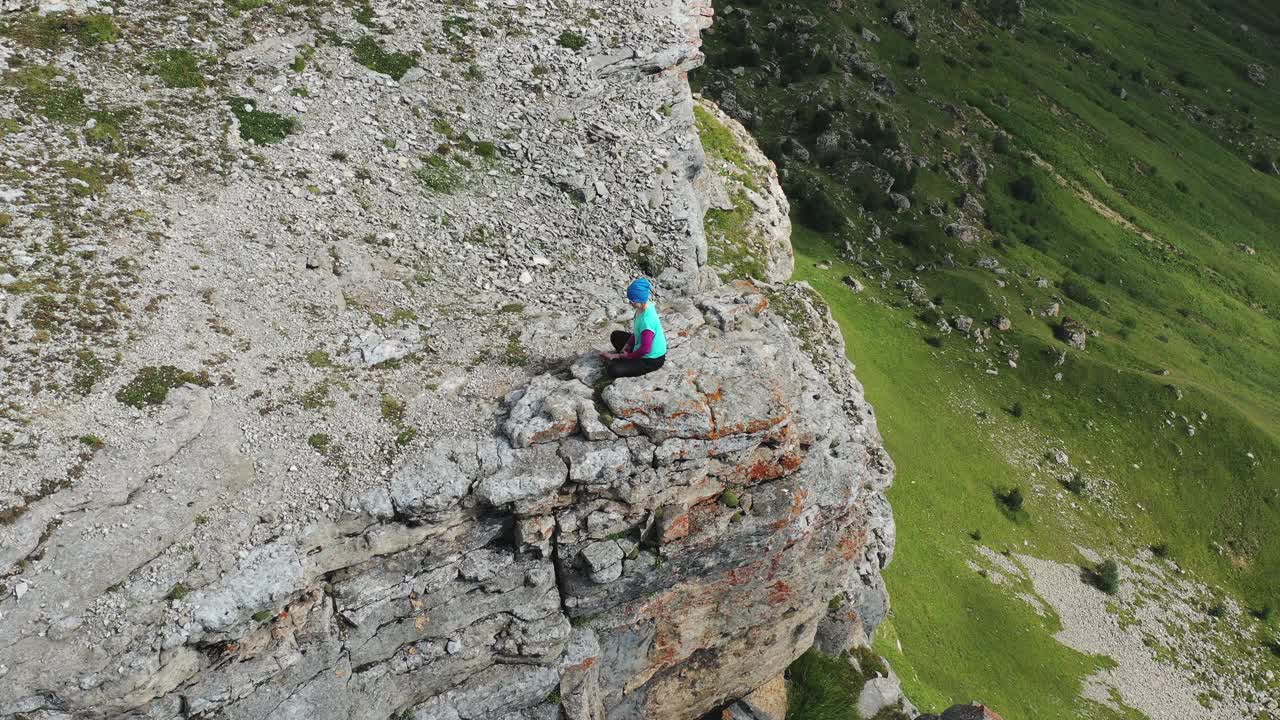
[(627, 367)]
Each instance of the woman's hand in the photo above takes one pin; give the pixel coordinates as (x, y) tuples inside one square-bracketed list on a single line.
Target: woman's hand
[(608, 356)]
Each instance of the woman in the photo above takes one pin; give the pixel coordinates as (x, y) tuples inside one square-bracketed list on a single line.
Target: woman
[(645, 348)]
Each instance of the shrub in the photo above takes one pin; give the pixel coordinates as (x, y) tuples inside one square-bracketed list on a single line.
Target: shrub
[(436, 174), (913, 60), (1105, 576), (1011, 499), (1076, 290), (879, 131), (152, 385), (1024, 189), (1186, 79), (319, 442), (1001, 143), (1216, 610), (1264, 613), (1160, 549), (1076, 484), (364, 15), (572, 40), (935, 341), (1182, 186), (814, 208), (1016, 410), (976, 535), (910, 236)]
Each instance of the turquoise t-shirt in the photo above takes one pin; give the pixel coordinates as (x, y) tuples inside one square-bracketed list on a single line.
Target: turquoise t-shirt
[(648, 320)]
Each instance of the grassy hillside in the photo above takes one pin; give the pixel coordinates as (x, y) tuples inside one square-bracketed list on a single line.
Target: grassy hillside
[(1125, 157)]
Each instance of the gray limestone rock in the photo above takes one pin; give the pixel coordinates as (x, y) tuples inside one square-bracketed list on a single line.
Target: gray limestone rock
[(431, 481), (525, 474), (545, 411), (603, 560), (878, 694), (268, 575)]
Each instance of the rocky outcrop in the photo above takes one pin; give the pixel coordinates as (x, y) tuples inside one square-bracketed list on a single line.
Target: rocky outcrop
[(321, 522), (1256, 74), (648, 548), (748, 216)]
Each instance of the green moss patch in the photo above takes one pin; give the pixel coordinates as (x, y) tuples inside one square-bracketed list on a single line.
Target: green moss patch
[(53, 31), (371, 55), (43, 90), (260, 126), (716, 139), (151, 385), (572, 40), (436, 175), (176, 68), (364, 15), (320, 443), (729, 246), (89, 369)]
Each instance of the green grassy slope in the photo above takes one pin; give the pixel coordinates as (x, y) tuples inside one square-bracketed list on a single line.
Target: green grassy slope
[(1186, 319)]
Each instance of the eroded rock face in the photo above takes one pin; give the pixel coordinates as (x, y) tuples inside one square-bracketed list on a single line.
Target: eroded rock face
[(681, 559)]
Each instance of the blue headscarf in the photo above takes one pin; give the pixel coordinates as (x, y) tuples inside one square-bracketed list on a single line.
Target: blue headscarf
[(638, 291)]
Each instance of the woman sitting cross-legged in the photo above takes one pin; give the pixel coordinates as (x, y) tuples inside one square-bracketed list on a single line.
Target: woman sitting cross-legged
[(645, 349)]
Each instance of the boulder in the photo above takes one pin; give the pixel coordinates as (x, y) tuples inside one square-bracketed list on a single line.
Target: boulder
[(877, 694), (375, 346), (603, 560), (431, 481), (1256, 74), (1073, 332), (525, 475), (975, 168), (902, 21), (964, 233), (547, 410), (970, 204)]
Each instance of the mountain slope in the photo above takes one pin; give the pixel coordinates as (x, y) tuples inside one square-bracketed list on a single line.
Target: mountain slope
[(976, 167)]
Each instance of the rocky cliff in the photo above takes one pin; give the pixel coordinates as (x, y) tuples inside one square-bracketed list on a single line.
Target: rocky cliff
[(304, 417)]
